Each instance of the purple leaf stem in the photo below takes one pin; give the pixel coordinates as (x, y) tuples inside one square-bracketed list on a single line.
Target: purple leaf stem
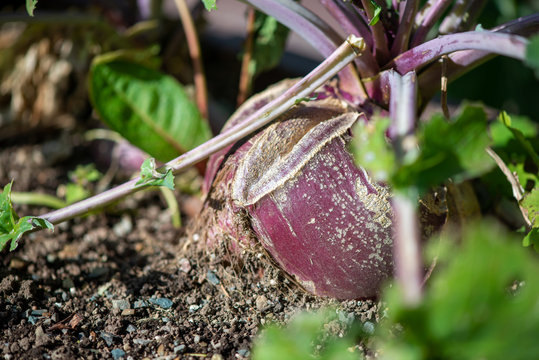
[(406, 25), (495, 42), (432, 11), (464, 61), (321, 74), (406, 237), (353, 24), (381, 49), (315, 31), (462, 17), (349, 21)]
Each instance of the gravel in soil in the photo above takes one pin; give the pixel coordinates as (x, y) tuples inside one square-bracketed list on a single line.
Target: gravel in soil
[(126, 284)]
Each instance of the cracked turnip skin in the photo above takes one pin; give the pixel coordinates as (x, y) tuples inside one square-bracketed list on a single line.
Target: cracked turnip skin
[(294, 188)]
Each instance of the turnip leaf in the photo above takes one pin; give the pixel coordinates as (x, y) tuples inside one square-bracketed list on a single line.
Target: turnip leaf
[(377, 12), (31, 6), (210, 4), (371, 149), (269, 43), (453, 150), (477, 291), (11, 226), (150, 109), (531, 204), (150, 176)]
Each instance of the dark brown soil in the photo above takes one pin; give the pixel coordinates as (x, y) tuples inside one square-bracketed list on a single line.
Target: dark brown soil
[(125, 283)]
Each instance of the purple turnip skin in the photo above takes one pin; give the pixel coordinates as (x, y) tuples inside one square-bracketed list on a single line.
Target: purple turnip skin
[(295, 189)]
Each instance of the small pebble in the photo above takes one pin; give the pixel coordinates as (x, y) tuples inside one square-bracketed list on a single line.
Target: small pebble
[(131, 328), (262, 303), (179, 348), (121, 304), (117, 353), (161, 350), (244, 352), (185, 265), (212, 278), (128, 312), (141, 341), (108, 337), (217, 357), (196, 339), (162, 302), (124, 227), (193, 308)]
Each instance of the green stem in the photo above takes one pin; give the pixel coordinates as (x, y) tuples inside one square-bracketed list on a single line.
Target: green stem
[(37, 199), (173, 207)]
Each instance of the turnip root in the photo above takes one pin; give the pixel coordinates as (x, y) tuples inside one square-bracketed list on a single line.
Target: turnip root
[(294, 188)]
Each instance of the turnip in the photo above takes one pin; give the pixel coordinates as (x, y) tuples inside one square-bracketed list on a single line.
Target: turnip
[(296, 185)]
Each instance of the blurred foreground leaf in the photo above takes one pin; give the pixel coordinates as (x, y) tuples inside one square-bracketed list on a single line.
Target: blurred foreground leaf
[(305, 337), (150, 109), (371, 149), (481, 303), (446, 149)]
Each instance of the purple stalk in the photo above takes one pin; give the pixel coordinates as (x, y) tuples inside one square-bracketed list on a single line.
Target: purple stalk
[(322, 73), (381, 48), (462, 17), (463, 61), (502, 44), (350, 22), (400, 44), (315, 31), (432, 11), (354, 25), (406, 224)]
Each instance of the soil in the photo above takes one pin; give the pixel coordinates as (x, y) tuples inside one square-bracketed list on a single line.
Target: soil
[(125, 283)]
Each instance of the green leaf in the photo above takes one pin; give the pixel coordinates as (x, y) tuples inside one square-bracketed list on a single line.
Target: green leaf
[(519, 136), (75, 192), (31, 6), (8, 216), (210, 4), (479, 291), (532, 54), (269, 42), (84, 174), (301, 338), (531, 204), (150, 176), (453, 150), (11, 227), (150, 109), (371, 149), (376, 15), (532, 239)]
